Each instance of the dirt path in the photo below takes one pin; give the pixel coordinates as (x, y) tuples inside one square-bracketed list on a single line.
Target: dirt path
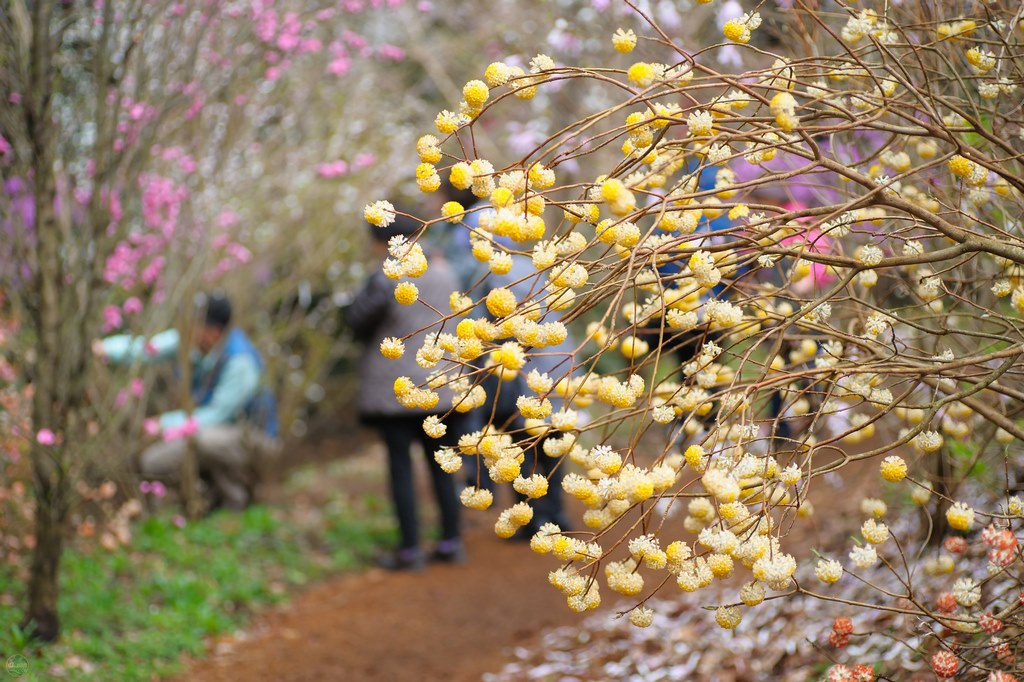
[(449, 623)]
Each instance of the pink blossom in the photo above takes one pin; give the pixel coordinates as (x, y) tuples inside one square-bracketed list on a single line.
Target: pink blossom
[(332, 169), (151, 427), (121, 399), (153, 270), (352, 5), (194, 108), (424, 6), (311, 46), (289, 39), (133, 306), (15, 98), (111, 318), (354, 40), (137, 387), (116, 210), (339, 66), (227, 218), (390, 52), (240, 100), (187, 165), (239, 253), (46, 437), (325, 14), (5, 146), (266, 24), (179, 521), (154, 488), (363, 160), (186, 430)]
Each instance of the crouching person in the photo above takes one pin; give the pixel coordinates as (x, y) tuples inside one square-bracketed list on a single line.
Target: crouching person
[(234, 423)]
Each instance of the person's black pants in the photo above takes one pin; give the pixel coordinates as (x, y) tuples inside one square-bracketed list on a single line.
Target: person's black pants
[(399, 434)]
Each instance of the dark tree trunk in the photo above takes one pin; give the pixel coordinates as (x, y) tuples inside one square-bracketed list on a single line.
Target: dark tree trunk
[(41, 619), (50, 409)]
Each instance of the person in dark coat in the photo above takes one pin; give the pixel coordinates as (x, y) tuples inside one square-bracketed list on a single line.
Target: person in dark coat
[(373, 315)]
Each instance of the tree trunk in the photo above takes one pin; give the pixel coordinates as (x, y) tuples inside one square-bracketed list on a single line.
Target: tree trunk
[(41, 619), (49, 462)]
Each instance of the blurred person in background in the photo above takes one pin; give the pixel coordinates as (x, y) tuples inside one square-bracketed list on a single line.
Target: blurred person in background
[(235, 417), (373, 316)]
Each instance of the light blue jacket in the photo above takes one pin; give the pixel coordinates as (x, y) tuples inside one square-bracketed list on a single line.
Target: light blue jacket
[(237, 384)]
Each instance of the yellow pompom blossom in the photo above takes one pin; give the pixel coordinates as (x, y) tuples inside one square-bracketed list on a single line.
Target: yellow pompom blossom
[(874, 532), (633, 347), (452, 211), (407, 293), (496, 74), (379, 213), (641, 617), (828, 571), (970, 172), (476, 498), (752, 593), (960, 516), (448, 122), (981, 61), (475, 93), (700, 123), (783, 108), (533, 487), (738, 30), (392, 348), (643, 74), (624, 40), (533, 407), (728, 617), (427, 178), (434, 427), (403, 386), (893, 468), (540, 177), (522, 86), (694, 456), (428, 149), (928, 441), (449, 460), (461, 175), (501, 302)]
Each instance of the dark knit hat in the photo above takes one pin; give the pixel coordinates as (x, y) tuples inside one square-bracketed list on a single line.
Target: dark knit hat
[(218, 309)]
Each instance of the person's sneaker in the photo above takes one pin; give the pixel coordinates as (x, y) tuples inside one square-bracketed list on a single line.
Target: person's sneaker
[(402, 560), (449, 552)]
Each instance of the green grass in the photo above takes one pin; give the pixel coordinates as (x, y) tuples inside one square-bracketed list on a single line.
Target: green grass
[(130, 614)]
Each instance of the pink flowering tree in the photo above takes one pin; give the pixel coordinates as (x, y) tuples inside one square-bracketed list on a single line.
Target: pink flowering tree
[(152, 150), (787, 254)]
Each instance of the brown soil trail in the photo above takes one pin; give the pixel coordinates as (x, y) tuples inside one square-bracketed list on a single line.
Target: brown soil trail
[(448, 623)]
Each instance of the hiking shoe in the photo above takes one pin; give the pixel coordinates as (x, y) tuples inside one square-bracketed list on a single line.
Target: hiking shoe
[(449, 552), (402, 560)]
